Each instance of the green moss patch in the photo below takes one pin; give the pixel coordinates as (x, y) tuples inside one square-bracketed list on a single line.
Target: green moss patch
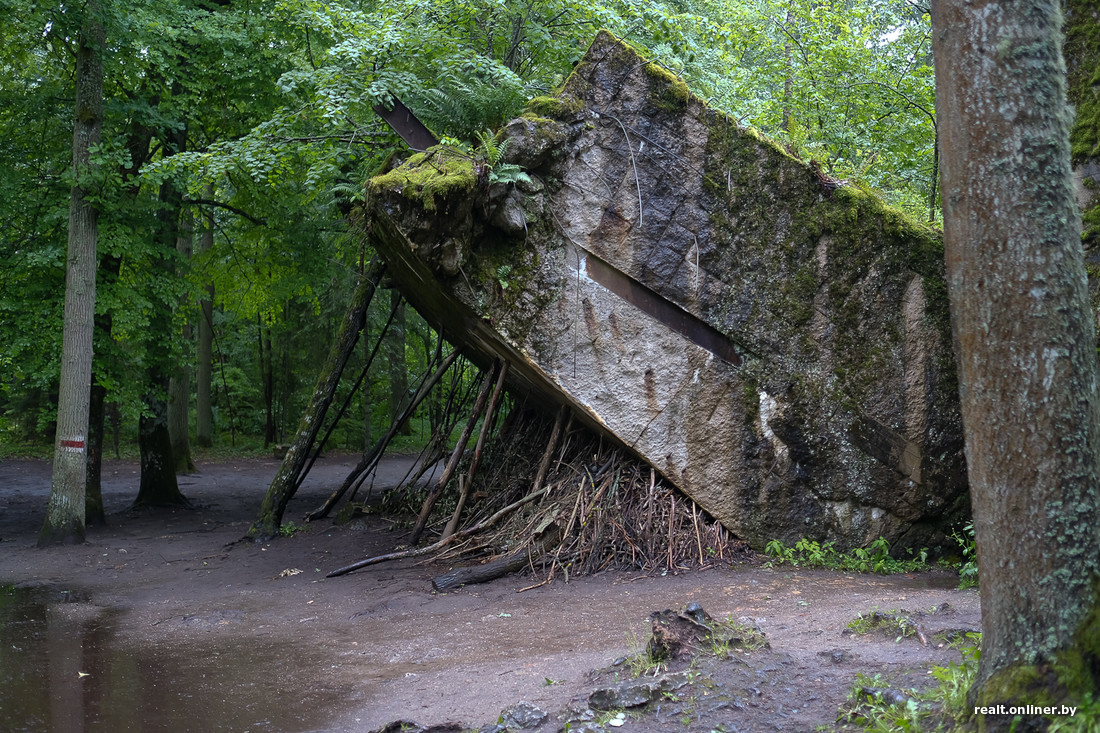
[(673, 93), (554, 107), (437, 172)]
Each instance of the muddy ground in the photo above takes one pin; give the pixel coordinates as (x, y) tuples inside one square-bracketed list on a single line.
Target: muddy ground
[(160, 623)]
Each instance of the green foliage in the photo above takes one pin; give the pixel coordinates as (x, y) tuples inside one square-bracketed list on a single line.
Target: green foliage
[(1087, 718), (493, 152), (277, 105), (875, 558), (941, 708), (464, 109), (968, 569), (289, 529)]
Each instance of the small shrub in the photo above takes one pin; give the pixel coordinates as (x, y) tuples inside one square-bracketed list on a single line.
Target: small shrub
[(875, 558), (968, 569)]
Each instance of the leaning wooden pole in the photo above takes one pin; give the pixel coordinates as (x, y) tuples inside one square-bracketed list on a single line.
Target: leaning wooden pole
[(376, 450), (286, 480), (456, 455), (420, 551), (486, 427)]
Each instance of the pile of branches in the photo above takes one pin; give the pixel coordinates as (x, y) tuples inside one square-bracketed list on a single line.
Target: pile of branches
[(557, 500)]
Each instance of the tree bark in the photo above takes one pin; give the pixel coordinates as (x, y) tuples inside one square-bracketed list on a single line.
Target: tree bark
[(158, 486), (94, 512), (395, 357), (1025, 341), (179, 385), (286, 481), (65, 511), (109, 268), (267, 379), (204, 354)]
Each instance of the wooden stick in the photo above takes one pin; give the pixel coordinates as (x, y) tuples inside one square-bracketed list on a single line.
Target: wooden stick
[(456, 456), (671, 514), (496, 568), (544, 464), (416, 552), (465, 482), (463, 492), (698, 539), (375, 453)]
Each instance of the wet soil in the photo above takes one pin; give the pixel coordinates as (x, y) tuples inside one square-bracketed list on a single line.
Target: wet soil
[(161, 623)]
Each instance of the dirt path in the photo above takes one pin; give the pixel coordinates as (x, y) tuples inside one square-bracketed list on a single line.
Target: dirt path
[(181, 632)]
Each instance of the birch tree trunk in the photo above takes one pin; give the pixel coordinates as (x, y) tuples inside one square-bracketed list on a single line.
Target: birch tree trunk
[(65, 511), (1025, 346)]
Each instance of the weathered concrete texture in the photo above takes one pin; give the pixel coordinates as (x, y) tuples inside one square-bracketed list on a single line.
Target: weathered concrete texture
[(773, 342)]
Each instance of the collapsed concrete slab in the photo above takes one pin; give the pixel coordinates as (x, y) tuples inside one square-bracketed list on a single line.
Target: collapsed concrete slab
[(773, 341)]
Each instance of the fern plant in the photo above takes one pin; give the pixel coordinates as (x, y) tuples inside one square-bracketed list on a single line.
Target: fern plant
[(493, 152), (458, 108)]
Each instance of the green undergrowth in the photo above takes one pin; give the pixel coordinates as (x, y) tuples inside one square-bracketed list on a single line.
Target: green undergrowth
[(726, 638), (875, 558), (873, 705), (968, 565)]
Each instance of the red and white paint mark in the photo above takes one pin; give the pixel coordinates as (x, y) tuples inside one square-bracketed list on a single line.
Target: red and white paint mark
[(74, 445)]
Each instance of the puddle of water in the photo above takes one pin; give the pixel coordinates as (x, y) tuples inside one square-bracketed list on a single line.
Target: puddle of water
[(64, 670)]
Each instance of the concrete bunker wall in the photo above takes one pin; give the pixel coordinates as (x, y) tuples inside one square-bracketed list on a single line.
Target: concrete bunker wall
[(774, 342)]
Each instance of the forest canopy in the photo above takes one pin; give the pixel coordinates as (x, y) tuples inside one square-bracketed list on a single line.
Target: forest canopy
[(251, 127)]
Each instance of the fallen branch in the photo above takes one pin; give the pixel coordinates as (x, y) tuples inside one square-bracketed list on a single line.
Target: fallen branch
[(500, 567), (418, 551)]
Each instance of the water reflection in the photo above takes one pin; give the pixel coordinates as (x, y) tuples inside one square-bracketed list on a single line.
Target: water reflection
[(63, 670)]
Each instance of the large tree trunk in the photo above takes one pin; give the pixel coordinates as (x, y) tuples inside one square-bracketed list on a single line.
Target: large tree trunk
[(158, 485), (289, 476), (204, 355), (179, 385), (94, 512), (1025, 338), (267, 376), (158, 471), (65, 511)]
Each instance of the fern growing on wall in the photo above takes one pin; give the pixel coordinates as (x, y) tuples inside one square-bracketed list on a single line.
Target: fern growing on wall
[(493, 152), (460, 109)]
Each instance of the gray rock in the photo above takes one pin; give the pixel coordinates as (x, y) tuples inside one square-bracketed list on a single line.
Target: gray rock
[(836, 656), (522, 716), (508, 215), (629, 695)]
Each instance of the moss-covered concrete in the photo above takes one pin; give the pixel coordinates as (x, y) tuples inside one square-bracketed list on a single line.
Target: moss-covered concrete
[(838, 420), (439, 171)]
